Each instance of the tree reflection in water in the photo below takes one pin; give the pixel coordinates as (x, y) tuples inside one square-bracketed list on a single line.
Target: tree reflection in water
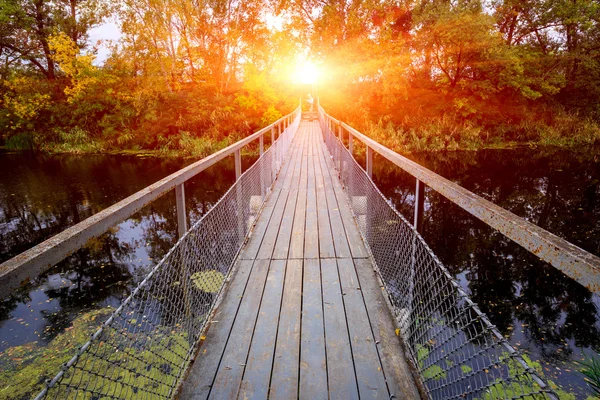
[(540, 310), (42, 195)]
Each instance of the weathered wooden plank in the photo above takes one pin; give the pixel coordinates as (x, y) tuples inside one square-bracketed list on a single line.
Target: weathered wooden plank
[(369, 373), (282, 243), (311, 236), (326, 247), (313, 335), (296, 249), (255, 382), (340, 365), (271, 235), (284, 381), (231, 368), (356, 244), (313, 364), (204, 368), (340, 239), (397, 371), (267, 245), (251, 249), (353, 237)]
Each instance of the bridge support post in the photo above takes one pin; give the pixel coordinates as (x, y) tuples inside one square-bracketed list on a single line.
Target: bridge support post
[(369, 162), (419, 205), (181, 216), (261, 146), (350, 144), (273, 153), (339, 148), (238, 164), (238, 193)]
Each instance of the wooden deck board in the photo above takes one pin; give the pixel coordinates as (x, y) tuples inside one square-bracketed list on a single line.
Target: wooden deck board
[(286, 364), (303, 315)]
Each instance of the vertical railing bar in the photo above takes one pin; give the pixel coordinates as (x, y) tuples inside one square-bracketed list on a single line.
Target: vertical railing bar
[(419, 204), (181, 214), (350, 144), (273, 151), (339, 148), (238, 163), (261, 146), (369, 165)]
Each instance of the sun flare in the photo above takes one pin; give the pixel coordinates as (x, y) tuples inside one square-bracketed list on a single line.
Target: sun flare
[(306, 73)]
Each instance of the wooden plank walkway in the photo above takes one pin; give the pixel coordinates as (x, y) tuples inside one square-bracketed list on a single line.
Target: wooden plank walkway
[(303, 315)]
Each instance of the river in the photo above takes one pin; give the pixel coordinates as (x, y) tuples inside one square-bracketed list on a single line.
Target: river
[(549, 317)]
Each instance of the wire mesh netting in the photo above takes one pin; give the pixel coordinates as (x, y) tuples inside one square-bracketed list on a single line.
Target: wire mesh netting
[(143, 349), (457, 351)]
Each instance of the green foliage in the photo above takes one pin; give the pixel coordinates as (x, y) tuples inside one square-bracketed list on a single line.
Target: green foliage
[(208, 281), (433, 371), (188, 77), (24, 368), (20, 141), (518, 388), (590, 368), (74, 140)]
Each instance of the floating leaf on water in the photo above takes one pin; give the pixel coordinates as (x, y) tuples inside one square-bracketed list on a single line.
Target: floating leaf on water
[(208, 281)]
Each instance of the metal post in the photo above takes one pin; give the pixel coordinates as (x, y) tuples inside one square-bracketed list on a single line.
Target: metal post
[(369, 162), (181, 216), (350, 143), (261, 146), (273, 152), (281, 129), (238, 164), (339, 147), (238, 193), (419, 205)]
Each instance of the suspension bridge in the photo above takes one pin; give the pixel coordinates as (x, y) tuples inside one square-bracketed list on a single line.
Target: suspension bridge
[(303, 281)]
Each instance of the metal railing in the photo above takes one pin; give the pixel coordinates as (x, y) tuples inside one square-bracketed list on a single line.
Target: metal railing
[(457, 351), (573, 261), (31, 263), (145, 346)]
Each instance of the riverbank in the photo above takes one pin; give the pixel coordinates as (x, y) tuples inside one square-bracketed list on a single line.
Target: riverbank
[(408, 135), (185, 148), (444, 133)]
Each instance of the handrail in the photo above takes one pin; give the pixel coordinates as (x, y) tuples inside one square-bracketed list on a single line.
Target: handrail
[(573, 261), (27, 265)]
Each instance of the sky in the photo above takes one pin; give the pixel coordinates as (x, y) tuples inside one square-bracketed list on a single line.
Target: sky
[(106, 32)]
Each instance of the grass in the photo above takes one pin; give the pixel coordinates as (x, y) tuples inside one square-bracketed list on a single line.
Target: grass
[(590, 368), (443, 133)]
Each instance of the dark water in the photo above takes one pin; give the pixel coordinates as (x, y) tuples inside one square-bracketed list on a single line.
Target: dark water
[(42, 195), (542, 312)]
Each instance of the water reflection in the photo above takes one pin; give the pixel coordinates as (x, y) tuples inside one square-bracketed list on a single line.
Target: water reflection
[(541, 311), (42, 195)]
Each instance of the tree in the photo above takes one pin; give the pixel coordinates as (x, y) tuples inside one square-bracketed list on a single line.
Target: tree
[(26, 26)]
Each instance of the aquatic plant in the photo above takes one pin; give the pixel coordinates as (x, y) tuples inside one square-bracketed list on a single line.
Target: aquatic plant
[(590, 368)]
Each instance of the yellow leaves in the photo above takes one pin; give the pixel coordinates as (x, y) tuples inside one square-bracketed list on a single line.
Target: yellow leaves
[(24, 100), (78, 67)]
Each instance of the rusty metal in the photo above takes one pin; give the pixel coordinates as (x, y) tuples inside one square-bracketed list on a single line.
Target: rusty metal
[(419, 206), (181, 214), (573, 261), (29, 264)]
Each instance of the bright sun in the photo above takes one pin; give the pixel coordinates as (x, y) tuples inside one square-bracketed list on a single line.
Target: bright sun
[(306, 73)]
